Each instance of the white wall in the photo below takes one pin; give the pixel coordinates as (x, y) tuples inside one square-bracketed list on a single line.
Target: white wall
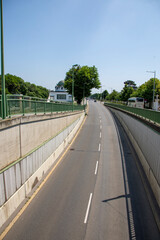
[(21, 135), (17, 181), (146, 142)]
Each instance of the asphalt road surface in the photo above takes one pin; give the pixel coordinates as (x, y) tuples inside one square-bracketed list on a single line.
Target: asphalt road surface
[(95, 193)]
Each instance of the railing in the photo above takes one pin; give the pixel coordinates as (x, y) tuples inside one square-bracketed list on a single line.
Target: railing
[(145, 113), (21, 105), (0, 106)]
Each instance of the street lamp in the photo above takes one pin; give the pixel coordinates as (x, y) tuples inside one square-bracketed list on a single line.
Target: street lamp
[(83, 98), (153, 85), (3, 103), (75, 65), (83, 93)]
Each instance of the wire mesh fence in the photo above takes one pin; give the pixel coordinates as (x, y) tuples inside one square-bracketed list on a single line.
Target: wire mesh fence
[(21, 105)]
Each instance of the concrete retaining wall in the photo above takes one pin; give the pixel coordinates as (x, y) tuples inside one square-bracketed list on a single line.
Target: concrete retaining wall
[(21, 135), (146, 142), (17, 181)]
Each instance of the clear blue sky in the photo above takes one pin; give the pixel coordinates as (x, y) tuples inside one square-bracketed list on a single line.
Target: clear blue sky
[(44, 38)]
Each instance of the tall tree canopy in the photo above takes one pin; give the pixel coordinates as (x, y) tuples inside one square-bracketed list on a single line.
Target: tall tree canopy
[(16, 85), (114, 95), (126, 93), (85, 78), (146, 89), (105, 94), (95, 96), (130, 83)]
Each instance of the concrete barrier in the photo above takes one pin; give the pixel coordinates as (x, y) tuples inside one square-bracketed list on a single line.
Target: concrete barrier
[(146, 142), (21, 135), (17, 181)]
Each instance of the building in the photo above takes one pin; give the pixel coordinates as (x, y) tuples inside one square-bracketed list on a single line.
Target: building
[(60, 94)]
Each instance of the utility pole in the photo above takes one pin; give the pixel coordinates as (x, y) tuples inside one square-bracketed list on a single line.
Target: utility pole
[(3, 100), (73, 67), (153, 85)]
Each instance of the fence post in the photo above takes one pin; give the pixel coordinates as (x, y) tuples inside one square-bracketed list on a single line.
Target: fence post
[(44, 107), (9, 108), (6, 106), (23, 106), (51, 108), (35, 108)]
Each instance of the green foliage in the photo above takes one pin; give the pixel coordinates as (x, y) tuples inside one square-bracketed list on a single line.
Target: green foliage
[(95, 96), (105, 94), (126, 93), (146, 90), (114, 95), (16, 85), (85, 78), (130, 83)]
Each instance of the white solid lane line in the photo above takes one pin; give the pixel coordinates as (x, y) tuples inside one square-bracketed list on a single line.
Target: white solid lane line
[(96, 168), (100, 135), (99, 148), (88, 207)]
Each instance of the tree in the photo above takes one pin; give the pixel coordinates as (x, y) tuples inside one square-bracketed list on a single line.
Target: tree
[(104, 94), (85, 78), (126, 93), (95, 96), (114, 95), (130, 83), (16, 85), (146, 90)]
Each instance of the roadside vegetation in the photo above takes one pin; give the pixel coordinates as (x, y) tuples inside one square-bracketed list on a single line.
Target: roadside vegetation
[(84, 79), (131, 90), (16, 85)]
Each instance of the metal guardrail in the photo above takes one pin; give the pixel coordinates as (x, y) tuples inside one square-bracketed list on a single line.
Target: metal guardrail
[(145, 113), (21, 105)]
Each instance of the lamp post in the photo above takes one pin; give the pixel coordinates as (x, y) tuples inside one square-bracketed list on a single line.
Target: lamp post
[(83, 98), (75, 65), (153, 85), (83, 93), (3, 103)]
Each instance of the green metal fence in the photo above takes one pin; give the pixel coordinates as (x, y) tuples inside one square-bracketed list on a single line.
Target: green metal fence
[(0, 106), (21, 105), (145, 113)]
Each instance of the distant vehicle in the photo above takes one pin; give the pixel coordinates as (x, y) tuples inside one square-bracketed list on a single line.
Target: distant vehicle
[(137, 102), (95, 100)]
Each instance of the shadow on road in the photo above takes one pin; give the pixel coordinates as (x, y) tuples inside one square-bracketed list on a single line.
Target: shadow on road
[(141, 222), (121, 196)]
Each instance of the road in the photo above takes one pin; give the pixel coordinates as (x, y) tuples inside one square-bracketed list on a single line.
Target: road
[(95, 193)]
